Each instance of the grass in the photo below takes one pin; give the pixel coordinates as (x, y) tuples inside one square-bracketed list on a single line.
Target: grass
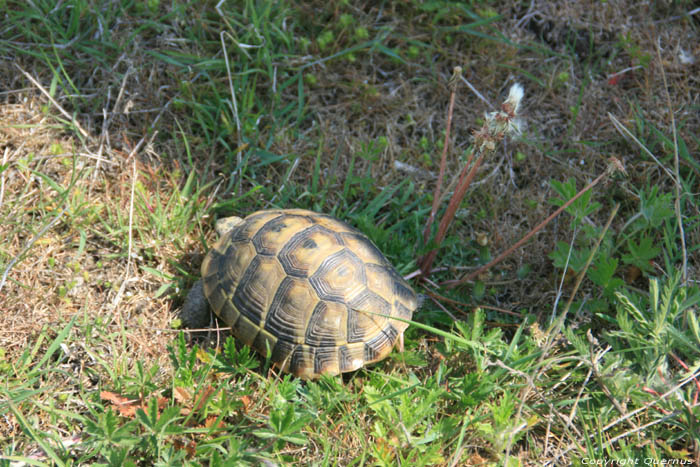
[(155, 118)]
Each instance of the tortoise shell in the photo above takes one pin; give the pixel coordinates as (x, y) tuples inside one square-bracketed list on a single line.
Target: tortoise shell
[(313, 290)]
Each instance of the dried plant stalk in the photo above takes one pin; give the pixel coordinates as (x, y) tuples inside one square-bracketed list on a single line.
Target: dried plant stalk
[(443, 160), (497, 126)]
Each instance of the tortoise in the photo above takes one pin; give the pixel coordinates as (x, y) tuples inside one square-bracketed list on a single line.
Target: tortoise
[(310, 288)]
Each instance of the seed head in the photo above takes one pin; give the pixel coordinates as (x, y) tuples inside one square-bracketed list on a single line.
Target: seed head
[(515, 95), (502, 123)]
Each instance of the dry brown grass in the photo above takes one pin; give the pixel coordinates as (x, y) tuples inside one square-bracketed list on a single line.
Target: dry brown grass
[(54, 277)]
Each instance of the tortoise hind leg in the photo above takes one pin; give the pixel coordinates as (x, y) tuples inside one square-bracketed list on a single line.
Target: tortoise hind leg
[(195, 312)]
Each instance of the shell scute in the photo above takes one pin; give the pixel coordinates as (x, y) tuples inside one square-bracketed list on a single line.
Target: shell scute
[(277, 232), (252, 298), (291, 310), (327, 326), (340, 277), (306, 250)]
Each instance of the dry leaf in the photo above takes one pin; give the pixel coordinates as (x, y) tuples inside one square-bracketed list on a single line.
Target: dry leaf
[(191, 449), (246, 402), (204, 396), (182, 395), (209, 422), (203, 356), (126, 407), (162, 403)]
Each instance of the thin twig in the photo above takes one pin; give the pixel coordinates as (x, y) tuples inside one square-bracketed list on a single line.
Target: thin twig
[(411, 275), (625, 132), (477, 93), (2, 174), (127, 270), (53, 101), (563, 273), (74, 154), (443, 308), (120, 96), (234, 107), (442, 298)]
